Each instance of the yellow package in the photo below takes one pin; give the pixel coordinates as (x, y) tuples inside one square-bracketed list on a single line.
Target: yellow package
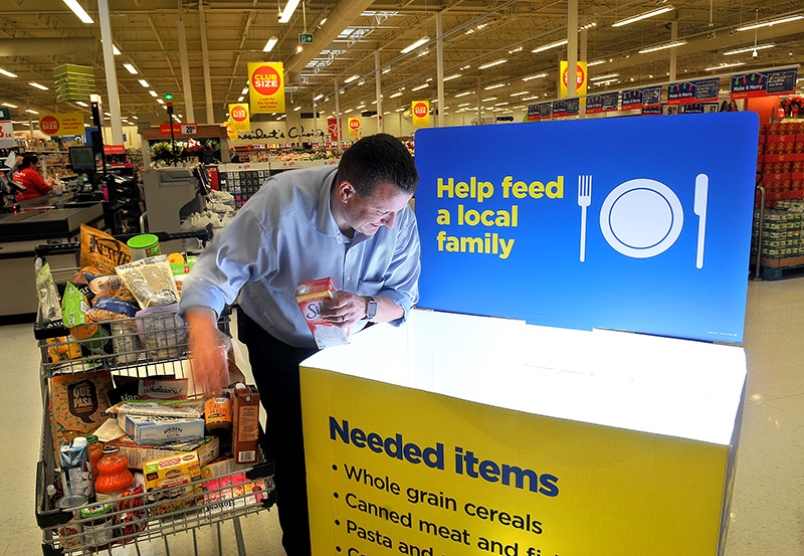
[(63, 348), (176, 480)]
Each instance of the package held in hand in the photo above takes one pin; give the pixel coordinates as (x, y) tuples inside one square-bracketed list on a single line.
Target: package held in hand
[(311, 296)]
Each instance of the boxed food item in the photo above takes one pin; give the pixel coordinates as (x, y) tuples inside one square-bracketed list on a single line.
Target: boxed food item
[(158, 430), (207, 450), (226, 486), (78, 402), (246, 427), (173, 482), (310, 296)]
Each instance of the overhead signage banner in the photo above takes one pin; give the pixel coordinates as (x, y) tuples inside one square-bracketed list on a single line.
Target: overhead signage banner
[(334, 131), (656, 110), (580, 82), (607, 102), (354, 126), (654, 238), (239, 117), (568, 107), (691, 92), (62, 124), (420, 110), (6, 129), (230, 133), (266, 87), (756, 84)]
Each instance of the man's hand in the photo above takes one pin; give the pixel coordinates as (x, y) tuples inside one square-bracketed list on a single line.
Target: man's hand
[(208, 348), (344, 309)]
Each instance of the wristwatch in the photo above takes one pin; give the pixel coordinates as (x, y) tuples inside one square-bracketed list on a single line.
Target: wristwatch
[(371, 309)]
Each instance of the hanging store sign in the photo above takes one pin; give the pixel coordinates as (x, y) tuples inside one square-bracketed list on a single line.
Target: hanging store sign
[(541, 111), (580, 81), (334, 131), (266, 87), (760, 84), (6, 129), (230, 133), (568, 107), (691, 92), (602, 103), (354, 126), (640, 98), (73, 82), (420, 109), (62, 124), (653, 110), (114, 149), (239, 117)]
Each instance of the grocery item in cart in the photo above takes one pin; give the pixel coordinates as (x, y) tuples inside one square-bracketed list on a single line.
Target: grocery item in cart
[(160, 430), (76, 472), (173, 483), (207, 449), (100, 252), (97, 524), (49, 306), (245, 434), (150, 281), (79, 401), (310, 296), (163, 332), (113, 475)]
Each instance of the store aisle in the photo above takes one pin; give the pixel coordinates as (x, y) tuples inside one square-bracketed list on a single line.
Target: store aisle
[(767, 514)]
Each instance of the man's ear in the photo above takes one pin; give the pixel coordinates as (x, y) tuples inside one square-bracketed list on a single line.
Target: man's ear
[(346, 191)]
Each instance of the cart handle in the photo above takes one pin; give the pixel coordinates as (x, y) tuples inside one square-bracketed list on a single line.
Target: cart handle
[(44, 249)]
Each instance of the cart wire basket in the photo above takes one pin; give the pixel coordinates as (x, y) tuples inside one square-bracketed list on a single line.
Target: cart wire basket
[(137, 348)]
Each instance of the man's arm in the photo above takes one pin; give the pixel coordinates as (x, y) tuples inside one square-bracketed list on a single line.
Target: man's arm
[(208, 349)]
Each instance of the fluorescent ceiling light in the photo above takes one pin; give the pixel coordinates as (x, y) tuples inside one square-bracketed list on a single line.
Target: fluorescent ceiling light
[(748, 49), (420, 87), (662, 46), (724, 66), (350, 79), (38, 86), (492, 64), (465, 93), (347, 111), (502, 104), (399, 110), (453, 76), (534, 97), (651, 13), (464, 104), (240, 99), (319, 97), (79, 11), (8, 104), (466, 67), (82, 103), (244, 91), (32, 111), (269, 46), (495, 86), (534, 76), (771, 22), (544, 47), (131, 69), (395, 95), (290, 7), (604, 77), (297, 108), (144, 83), (488, 99), (387, 70), (160, 101), (7, 73), (153, 93), (515, 50), (520, 93), (415, 45), (115, 50), (595, 63), (345, 33)]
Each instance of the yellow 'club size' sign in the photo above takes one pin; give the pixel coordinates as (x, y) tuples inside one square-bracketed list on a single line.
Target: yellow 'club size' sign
[(420, 110), (266, 87)]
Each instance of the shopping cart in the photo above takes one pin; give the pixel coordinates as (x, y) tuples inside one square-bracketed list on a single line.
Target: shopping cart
[(137, 349)]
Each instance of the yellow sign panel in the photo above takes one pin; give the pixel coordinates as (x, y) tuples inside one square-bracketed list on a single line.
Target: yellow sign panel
[(239, 117), (266, 87), (581, 81), (420, 110), (62, 124), (230, 133), (354, 126), (421, 473)]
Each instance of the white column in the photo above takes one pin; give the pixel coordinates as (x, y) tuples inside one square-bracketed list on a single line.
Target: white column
[(338, 113), (205, 60), (379, 90), (583, 57), (673, 51), (189, 112), (111, 72), (440, 120), (572, 48)]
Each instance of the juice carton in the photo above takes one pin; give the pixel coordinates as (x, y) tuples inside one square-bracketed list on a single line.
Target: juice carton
[(311, 296)]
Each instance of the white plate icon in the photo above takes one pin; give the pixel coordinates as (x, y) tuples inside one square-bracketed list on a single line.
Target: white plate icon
[(641, 218)]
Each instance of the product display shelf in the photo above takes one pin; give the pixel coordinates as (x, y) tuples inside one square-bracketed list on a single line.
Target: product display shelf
[(136, 348)]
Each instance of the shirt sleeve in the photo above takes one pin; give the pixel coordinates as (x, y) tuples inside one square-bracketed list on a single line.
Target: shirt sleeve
[(37, 182), (402, 278)]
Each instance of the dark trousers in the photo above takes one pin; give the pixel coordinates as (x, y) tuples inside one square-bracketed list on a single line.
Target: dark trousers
[(275, 366)]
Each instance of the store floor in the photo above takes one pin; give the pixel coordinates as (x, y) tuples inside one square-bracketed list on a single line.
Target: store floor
[(767, 513)]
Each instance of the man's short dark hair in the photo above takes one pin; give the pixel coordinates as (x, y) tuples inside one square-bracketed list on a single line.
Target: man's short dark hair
[(377, 159), (29, 159)]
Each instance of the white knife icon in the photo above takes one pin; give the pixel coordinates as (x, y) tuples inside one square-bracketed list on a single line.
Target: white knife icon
[(699, 208)]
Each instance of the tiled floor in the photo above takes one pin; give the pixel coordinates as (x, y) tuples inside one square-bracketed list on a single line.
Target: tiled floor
[(767, 513)]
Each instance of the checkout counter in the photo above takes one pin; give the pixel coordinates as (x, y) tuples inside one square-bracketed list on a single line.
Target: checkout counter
[(47, 219), (171, 195)]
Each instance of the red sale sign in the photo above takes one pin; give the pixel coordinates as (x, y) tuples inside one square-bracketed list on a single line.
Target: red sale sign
[(49, 125)]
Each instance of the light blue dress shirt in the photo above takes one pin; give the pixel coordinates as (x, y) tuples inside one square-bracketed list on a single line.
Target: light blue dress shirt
[(286, 234)]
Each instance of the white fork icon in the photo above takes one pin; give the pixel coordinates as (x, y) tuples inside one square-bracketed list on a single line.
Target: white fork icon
[(584, 200)]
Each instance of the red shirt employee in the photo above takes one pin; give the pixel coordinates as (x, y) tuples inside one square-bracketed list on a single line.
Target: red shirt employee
[(28, 176)]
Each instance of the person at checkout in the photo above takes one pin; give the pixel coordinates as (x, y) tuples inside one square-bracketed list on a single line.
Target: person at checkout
[(29, 177)]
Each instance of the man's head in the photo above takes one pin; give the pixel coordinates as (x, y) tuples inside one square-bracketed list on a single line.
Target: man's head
[(376, 178)]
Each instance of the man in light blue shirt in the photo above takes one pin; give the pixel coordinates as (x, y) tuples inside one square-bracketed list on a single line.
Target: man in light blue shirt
[(352, 224)]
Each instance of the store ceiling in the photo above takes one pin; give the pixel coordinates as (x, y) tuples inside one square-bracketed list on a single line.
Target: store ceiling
[(38, 35)]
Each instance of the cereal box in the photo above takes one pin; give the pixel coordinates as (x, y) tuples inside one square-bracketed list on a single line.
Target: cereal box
[(79, 401), (311, 296)]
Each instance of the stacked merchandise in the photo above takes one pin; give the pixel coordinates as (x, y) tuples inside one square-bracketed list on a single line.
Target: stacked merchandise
[(780, 160), (782, 238), (127, 441), (242, 183)]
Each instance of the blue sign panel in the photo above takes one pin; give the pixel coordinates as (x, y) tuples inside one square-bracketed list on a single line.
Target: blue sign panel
[(638, 224)]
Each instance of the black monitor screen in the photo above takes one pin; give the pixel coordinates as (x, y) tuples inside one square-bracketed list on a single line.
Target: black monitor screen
[(82, 159)]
